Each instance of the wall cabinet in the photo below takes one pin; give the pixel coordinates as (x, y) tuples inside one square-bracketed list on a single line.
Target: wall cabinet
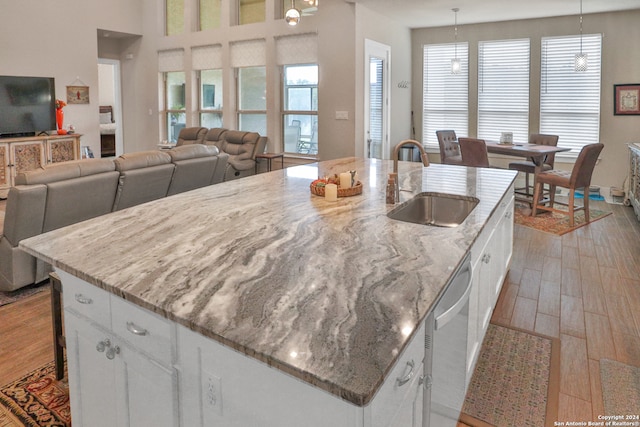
[(23, 154), (119, 360), (634, 178)]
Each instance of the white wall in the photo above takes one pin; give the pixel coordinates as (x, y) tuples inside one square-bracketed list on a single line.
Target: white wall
[(373, 26), (620, 64), (58, 39), (106, 84)]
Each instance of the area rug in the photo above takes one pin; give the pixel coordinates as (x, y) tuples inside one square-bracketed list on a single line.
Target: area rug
[(553, 222), (516, 380), (620, 387), (37, 399), (17, 295)]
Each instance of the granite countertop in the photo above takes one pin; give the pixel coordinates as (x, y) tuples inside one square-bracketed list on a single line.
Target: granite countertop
[(330, 292)]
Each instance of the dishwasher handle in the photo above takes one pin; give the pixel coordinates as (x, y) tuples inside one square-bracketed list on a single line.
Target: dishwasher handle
[(464, 274)]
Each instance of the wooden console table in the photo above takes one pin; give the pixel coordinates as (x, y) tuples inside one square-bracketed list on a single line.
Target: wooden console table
[(27, 153)]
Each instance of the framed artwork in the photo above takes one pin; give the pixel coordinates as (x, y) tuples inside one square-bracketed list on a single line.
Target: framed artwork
[(626, 99), (77, 94)]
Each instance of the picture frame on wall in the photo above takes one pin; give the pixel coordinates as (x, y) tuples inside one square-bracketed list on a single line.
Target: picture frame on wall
[(77, 94), (626, 98)]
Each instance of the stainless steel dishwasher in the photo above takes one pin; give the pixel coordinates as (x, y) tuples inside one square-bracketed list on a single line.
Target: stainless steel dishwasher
[(446, 351)]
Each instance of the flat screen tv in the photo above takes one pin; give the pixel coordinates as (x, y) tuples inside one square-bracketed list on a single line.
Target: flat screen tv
[(27, 105)]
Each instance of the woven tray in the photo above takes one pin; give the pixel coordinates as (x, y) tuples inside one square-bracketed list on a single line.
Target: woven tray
[(342, 192)]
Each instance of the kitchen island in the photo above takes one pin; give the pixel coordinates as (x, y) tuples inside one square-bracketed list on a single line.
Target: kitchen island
[(325, 297)]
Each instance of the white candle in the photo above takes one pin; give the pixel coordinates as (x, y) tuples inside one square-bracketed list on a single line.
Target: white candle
[(331, 192), (345, 180)]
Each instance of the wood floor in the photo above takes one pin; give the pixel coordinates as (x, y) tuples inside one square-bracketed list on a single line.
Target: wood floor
[(583, 287)]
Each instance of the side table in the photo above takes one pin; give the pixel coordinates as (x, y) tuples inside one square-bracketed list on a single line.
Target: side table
[(269, 157)]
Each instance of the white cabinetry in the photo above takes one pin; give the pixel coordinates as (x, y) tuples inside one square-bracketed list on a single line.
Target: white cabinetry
[(220, 386), (490, 258), (119, 360)]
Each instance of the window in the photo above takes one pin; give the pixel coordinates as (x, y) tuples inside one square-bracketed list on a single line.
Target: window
[(174, 17), (306, 7), (445, 95), (250, 11), (210, 14), (503, 89), (210, 95), (570, 100), (174, 104), (252, 99), (300, 109)]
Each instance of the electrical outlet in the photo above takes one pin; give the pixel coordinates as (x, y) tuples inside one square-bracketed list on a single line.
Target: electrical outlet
[(211, 394)]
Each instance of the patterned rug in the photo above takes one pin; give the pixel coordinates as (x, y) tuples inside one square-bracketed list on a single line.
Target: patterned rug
[(13, 296), (620, 388), (516, 380), (36, 399), (553, 222)]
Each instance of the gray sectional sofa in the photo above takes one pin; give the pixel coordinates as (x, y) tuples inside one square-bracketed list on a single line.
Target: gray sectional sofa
[(242, 147), (65, 193)]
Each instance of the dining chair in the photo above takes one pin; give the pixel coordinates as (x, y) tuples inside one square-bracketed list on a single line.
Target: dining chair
[(578, 178), (528, 167), (474, 152), (449, 148)]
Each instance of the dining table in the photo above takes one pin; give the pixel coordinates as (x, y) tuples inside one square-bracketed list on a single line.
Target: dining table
[(536, 153)]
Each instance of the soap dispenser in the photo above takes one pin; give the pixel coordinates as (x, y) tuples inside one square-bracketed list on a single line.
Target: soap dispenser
[(393, 195)]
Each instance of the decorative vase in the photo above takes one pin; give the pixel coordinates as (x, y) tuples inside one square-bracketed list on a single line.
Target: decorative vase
[(60, 121)]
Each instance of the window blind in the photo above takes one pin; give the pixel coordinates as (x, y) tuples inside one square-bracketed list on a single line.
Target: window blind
[(445, 96), (170, 60), (570, 100), (248, 53), (503, 89), (206, 57), (297, 49)]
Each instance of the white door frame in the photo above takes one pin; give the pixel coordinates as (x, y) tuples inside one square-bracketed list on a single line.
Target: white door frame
[(117, 108), (382, 51)]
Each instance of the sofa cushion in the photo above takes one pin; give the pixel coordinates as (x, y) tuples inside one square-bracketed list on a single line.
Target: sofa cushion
[(195, 166), (191, 135), (214, 136), (144, 176), (65, 170), (24, 214)]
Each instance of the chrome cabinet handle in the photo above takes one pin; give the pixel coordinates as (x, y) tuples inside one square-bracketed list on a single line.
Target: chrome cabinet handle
[(486, 258), (83, 300), (136, 330), (102, 345), (405, 378), (112, 351), (508, 214)]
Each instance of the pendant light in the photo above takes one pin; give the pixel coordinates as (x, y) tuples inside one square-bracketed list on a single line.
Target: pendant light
[(292, 17), (455, 62), (581, 60)]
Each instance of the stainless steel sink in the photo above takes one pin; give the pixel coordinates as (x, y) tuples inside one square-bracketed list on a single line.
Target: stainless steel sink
[(442, 210)]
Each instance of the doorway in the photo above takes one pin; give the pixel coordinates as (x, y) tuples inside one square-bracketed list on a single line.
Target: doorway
[(376, 93), (109, 94)]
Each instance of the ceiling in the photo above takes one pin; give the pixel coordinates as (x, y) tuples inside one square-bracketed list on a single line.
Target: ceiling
[(438, 13)]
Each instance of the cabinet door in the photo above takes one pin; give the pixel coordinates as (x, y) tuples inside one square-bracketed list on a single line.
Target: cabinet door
[(149, 391), (26, 156), (91, 375), (61, 150), (410, 411)]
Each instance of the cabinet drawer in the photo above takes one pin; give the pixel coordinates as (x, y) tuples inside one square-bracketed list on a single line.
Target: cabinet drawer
[(85, 299), (389, 398), (144, 330)]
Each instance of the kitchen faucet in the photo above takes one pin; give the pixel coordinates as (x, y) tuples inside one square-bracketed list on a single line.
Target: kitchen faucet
[(393, 178)]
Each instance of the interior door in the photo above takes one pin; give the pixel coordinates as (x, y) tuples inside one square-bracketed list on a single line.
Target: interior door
[(376, 91)]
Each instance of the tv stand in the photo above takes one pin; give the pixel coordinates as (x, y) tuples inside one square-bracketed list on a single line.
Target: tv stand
[(30, 152)]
